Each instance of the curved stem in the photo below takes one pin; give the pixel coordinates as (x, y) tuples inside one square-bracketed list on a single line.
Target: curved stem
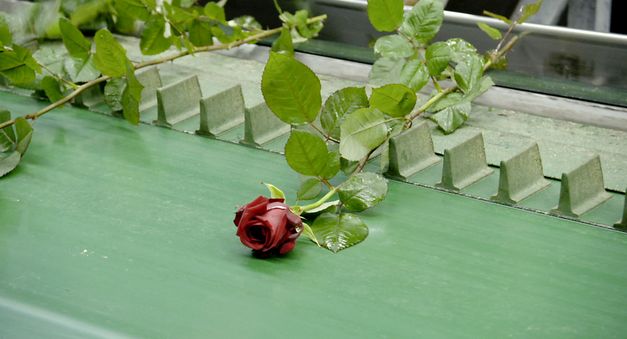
[(56, 76), (430, 103), (278, 8), (60, 102), (500, 53), (364, 161), (324, 135), (506, 35), (87, 85), (436, 84), (327, 183), (252, 38), (510, 44), (319, 202)]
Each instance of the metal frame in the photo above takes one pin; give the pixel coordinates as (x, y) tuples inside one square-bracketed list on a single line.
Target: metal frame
[(463, 18)]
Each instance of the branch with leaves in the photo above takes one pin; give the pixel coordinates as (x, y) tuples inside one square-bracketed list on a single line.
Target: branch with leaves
[(331, 143), (190, 29)]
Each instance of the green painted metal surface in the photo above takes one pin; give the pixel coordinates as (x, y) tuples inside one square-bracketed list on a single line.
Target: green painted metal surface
[(464, 164), (221, 112), (108, 229), (582, 189), (410, 152), (521, 176)]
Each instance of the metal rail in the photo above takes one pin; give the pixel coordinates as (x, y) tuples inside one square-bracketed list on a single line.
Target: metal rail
[(574, 63), (469, 19)]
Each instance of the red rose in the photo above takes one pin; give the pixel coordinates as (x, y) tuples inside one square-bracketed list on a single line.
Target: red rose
[(268, 226)]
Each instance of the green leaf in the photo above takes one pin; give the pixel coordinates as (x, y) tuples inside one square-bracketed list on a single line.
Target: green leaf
[(246, 22), (483, 85), (300, 29), (51, 57), (76, 44), (6, 37), (9, 163), (306, 153), (446, 101), (386, 70), (7, 134), (385, 15), (10, 59), (361, 132), (88, 12), (394, 46), (29, 61), (327, 207), (44, 19), (215, 12), (456, 98), (363, 191), (51, 87), (110, 58), (338, 105), (452, 117), (200, 34), (309, 233), (275, 192), (458, 103), (23, 133), (492, 32), (179, 17), (125, 24), (21, 75), (338, 232), (498, 64), (414, 75), (461, 49), (283, 44), (16, 57), (81, 71), (468, 72), (186, 3), (529, 10), (137, 9), (333, 165), (498, 16), (438, 56), (291, 90), (113, 93), (424, 20), (309, 189), (131, 96), (153, 40), (395, 100), (348, 166)]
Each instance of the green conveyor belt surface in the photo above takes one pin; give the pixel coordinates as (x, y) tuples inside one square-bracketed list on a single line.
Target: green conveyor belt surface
[(112, 230)]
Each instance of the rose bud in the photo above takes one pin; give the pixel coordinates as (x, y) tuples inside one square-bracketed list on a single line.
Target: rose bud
[(268, 226)]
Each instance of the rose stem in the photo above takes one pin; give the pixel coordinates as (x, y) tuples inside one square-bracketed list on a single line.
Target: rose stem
[(175, 56)]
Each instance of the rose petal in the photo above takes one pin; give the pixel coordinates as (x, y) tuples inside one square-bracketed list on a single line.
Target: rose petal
[(255, 236), (238, 215), (294, 219), (277, 204), (255, 207), (288, 246), (277, 220)]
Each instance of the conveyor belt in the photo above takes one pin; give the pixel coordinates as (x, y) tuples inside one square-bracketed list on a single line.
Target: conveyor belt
[(224, 92), (112, 230)]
